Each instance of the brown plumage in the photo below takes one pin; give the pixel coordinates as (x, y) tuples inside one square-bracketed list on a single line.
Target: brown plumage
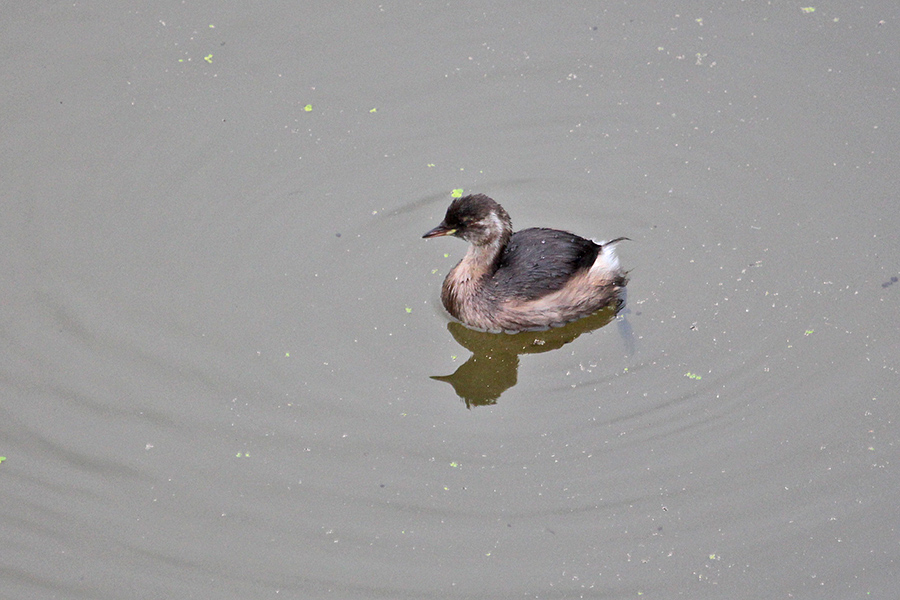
[(532, 279)]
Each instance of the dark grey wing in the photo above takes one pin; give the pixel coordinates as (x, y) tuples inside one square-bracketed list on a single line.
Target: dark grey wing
[(540, 261)]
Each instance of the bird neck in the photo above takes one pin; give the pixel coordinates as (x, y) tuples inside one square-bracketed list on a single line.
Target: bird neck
[(469, 276), (482, 260)]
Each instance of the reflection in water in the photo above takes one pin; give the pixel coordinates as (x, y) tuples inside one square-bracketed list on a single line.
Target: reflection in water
[(493, 366), (626, 332)]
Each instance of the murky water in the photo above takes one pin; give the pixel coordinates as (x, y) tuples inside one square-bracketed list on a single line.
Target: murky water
[(222, 329)]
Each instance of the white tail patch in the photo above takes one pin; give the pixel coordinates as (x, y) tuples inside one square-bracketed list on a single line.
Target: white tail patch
[(607, 263)]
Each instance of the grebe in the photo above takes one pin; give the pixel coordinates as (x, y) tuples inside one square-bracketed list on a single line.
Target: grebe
[(532, 279)]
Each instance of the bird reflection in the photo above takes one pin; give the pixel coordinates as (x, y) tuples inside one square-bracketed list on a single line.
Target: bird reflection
[(493, 367)]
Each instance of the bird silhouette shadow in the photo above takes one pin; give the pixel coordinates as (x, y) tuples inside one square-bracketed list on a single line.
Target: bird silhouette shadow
[(493, 367)]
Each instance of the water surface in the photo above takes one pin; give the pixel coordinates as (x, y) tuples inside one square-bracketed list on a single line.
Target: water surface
[(222, 325)]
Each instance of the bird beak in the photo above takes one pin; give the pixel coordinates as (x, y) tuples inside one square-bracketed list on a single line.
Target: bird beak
[(439, 230)]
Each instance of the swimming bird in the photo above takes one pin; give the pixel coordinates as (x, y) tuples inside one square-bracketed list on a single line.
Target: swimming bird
[(531, 279)]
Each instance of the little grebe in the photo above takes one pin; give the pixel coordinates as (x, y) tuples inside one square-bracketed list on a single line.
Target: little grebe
[(532, 279)]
